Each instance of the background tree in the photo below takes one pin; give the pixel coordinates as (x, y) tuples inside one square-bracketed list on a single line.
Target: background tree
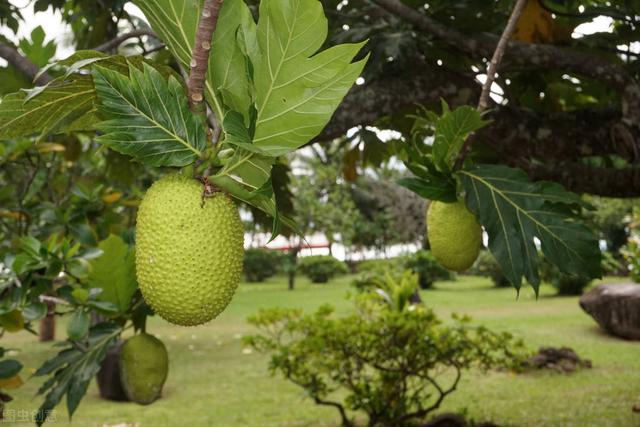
[(576, 100), (612, 217)]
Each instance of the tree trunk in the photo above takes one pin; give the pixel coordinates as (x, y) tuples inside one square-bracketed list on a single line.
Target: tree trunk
[(293, 265), (416, 298), (108, 376), (48, 324)]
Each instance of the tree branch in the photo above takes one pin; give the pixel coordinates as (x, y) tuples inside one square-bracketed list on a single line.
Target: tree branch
[(114, 43), (529, 56), (200, 58), (346, 422), (23, 64), (554, 138), (492, 70)]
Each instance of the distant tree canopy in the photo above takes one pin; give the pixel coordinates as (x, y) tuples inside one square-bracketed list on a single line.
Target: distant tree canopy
[(570, 110)]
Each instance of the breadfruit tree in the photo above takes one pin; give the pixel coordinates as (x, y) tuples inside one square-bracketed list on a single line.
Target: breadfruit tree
[(210, 98)]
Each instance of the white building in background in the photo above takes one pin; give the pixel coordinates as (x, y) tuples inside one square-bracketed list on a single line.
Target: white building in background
[(317, 244)]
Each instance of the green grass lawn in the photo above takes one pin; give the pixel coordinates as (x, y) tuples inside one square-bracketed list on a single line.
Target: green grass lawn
[(215, 381)]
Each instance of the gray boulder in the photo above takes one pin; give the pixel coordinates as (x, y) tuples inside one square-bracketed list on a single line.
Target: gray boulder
[(616, 308)]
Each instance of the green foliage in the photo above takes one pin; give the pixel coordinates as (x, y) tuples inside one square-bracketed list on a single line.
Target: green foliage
[(451, 129), (260, 93), (297, 88), (632, 256), (565, 284), (65, 105), (73, 368), (427, 268), (9, 368), (486, 265), (514, 211), (35, 270), (612, 266), (147, 117), (386, 360), (421, 262), (321, 268), (114, 273), (612, 218), (261, 263), (36, 49), (176, 22), (78, 326), (432, 165)]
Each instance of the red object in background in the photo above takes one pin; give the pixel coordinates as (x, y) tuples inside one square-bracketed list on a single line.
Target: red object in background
[(287, 247)]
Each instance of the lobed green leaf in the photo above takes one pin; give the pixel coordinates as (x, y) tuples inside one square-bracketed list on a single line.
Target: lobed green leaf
[(515, 212), (148, 117)]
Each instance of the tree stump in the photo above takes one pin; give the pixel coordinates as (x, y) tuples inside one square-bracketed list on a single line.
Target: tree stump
[(48, 324), (616, 308), (108, 376)]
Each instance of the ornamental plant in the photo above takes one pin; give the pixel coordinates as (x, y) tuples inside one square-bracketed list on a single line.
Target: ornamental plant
[(390, 359)]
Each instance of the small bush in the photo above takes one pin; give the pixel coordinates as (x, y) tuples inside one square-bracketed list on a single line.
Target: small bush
[(320, 269), (421, 262), (487, 266), (393, 360), (260, 264), (565, 284), (631, 254), (427, 268)]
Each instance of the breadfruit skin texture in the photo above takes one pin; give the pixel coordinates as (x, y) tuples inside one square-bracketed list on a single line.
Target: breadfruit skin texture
[(454, 235), (188, 256), (144, 365)]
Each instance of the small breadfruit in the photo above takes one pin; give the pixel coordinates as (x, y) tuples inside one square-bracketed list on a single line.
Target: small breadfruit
[(454, 235), (144, 365), (189, 250), (12, 321)]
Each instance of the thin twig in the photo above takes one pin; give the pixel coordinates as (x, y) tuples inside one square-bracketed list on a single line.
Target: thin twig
[(46, 298), (114, 43), (155, 49), (492, 70), (200, 57), (499, 53)]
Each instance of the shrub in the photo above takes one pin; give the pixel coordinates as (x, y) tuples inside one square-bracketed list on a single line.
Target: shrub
[(321, 268), (260, 264), (565, 284), (611, 265), (392, 360), (427, 268), (631, 254), (421, 262), (487, 266)]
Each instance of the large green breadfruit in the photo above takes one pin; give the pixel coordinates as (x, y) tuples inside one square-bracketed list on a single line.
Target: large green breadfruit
[(454, 235), (189, 250), (144, 365)]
